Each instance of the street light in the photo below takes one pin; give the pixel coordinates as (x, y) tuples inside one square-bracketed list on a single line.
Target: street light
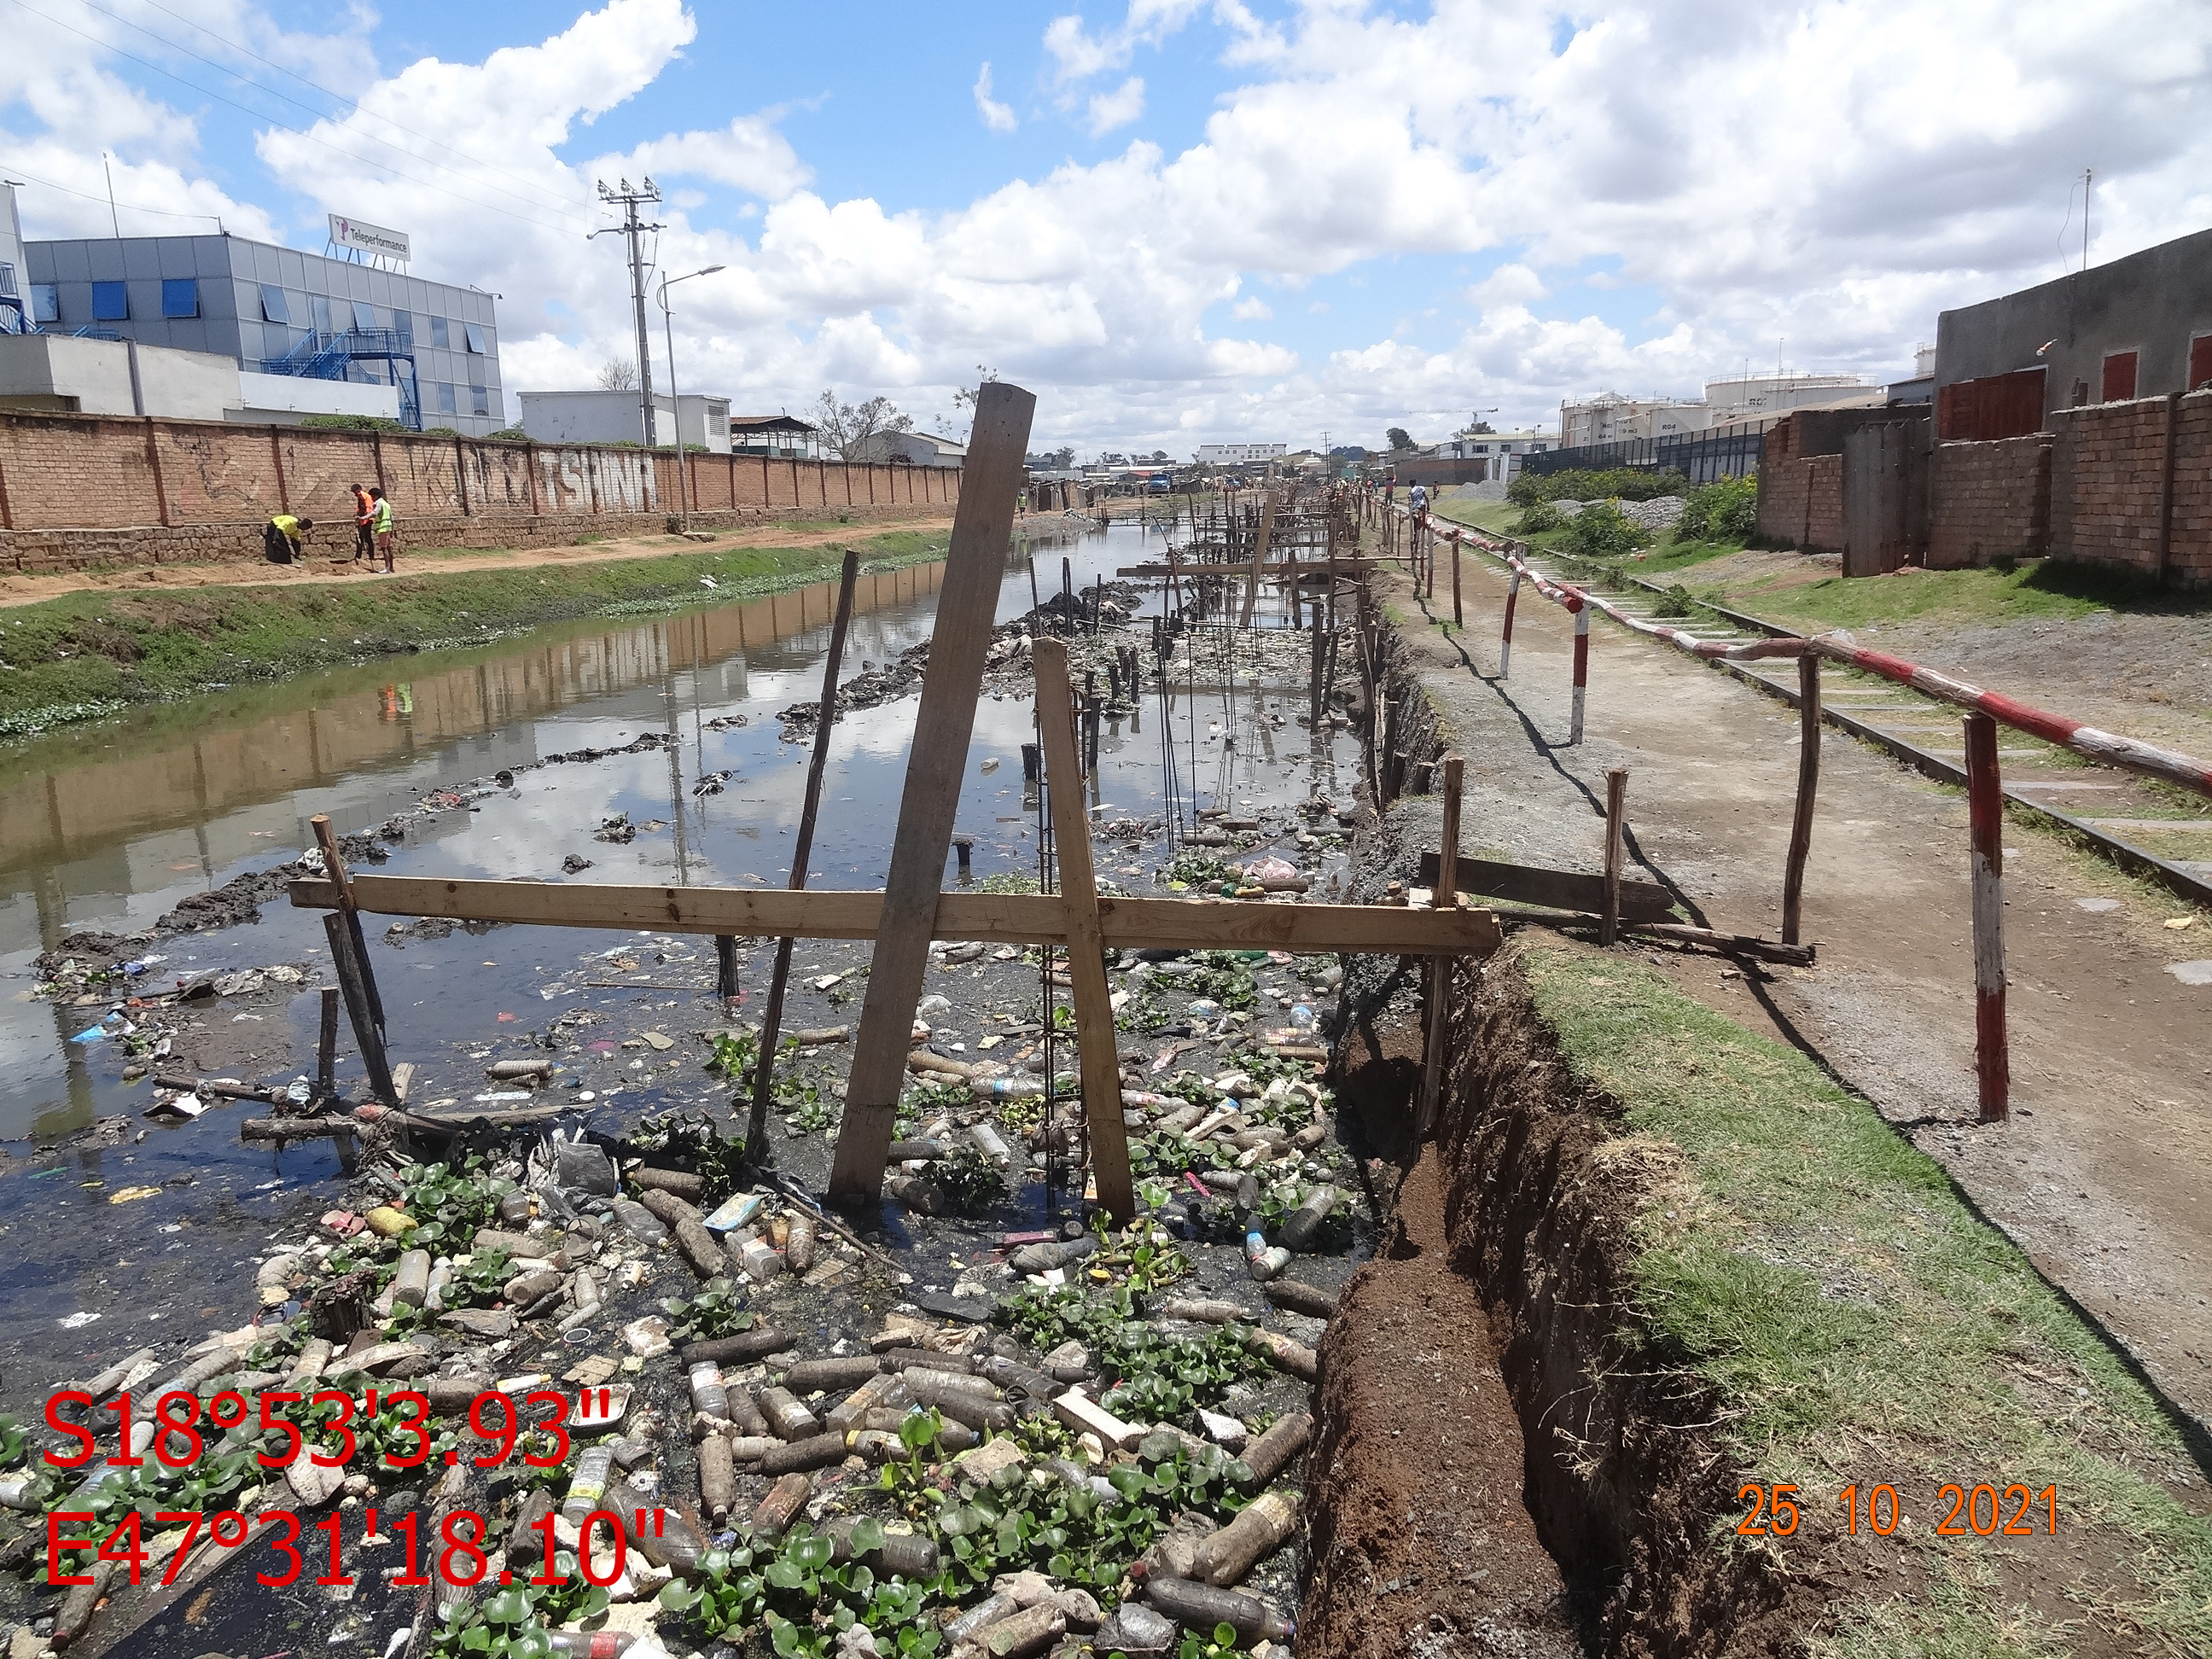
[(675, 403)]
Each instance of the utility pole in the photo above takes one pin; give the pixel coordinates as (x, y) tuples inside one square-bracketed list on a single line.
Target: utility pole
[(2089, 176), (629, 197)]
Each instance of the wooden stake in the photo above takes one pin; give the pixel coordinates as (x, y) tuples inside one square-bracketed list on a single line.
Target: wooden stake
[(936, 765), (326, 1048), (825, 717), (1259, 554), (341, 926), (1459, 617), (1445, 897), (1985, 814), (1616, 812), (1087, 943), (334, 861), (1808, 787)]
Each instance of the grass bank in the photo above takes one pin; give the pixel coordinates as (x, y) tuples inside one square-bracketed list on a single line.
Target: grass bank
[(1844, 1319), (1665, 554), (2039, 591), (93, 654)]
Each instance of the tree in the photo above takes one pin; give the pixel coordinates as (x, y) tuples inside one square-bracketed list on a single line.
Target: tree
[(847, 428), (617, 374), (1483, 429), (1400, 438)]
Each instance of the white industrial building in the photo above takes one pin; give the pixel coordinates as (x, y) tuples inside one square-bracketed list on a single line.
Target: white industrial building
[(616, 417), (66, 374), (1239, 454)]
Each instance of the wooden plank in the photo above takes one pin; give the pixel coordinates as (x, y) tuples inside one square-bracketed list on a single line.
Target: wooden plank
[(1086, 965), (1259, 554), (1523, 883), (982, 528), (994, 918)]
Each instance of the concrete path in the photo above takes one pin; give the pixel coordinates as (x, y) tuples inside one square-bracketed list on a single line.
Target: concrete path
[(2101, 1174)]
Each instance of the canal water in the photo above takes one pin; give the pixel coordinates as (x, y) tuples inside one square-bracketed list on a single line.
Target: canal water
[(118, 1228)]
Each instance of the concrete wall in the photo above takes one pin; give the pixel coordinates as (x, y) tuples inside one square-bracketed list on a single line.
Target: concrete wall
[(184, 385), (2152, 303), (78, 490), (1989, 501), (61, 373), (286, 397)]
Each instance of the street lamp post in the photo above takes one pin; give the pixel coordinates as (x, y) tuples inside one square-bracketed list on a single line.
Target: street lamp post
[(675, 402)]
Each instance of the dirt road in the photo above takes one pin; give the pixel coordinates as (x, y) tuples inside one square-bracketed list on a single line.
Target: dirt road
[(2100, 1177), (30, 590)]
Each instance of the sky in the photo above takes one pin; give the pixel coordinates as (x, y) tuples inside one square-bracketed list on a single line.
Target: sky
[(1178, 221)]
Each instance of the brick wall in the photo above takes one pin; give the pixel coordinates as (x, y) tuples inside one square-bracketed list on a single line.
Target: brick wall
[(1988, 501), (1801, 502), (79, 491), (2108, 481)]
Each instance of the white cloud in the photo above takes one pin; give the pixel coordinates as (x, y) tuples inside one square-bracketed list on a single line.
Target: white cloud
[(1252, 309), (1077, 54), (999, 117), (1116, 108), (1512, 284)]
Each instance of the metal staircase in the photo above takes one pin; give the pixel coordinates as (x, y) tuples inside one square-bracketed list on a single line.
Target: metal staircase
[(319, 357)]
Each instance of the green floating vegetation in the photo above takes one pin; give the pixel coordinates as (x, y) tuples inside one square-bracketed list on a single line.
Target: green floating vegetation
[(1860, 1325)]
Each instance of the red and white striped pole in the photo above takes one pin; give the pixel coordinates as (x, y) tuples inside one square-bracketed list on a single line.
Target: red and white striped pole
[(1986, 816), (1506, 640), (1582, 665)]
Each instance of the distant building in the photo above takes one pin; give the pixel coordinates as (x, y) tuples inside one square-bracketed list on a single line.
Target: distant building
[(912, 449), (614, 418), (1758, 397), (2139, 327), (66, 374), (277, 311), (1920, 386), (780, 435), (1239, 454), (1498, 455), (1611, 418)]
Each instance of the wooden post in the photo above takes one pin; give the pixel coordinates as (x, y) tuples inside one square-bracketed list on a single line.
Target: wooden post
[(1582, 665), (825, 717), (343, 926), (1985, 814), (154, 464), (1459, 619), (1445, 897), (461, 474), (1086, 944), (1808, 786), (276, 455), (326, 1048), (1313, 723), (1616, 812), (1505, 639), (981, 528), (334, 863), (1259, 555)]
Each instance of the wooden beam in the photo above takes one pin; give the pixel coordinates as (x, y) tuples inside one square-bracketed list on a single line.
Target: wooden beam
[(937, 762), (1086, 944), (1445, 896), (994, 918), (1562, 890), (1259, 554)]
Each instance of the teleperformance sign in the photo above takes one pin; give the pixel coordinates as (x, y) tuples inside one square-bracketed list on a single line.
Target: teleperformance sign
[(369, 239)]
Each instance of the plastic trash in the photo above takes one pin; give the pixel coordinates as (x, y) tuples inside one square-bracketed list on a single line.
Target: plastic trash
[(588, 1485), (1302, 1223), (1266, 1261)]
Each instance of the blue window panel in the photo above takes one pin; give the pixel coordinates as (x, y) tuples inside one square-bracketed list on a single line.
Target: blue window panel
[(402, 325), (479, 401), (440, 335), (320, 304), (476, 340), (8, 283), (276, 305), (364, 315), (181, 296), (45, 302), (111, 302), (445, 398)]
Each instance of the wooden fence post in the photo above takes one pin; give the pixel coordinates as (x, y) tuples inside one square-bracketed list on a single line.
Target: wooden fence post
[(1808, 786), (1616, 814), (1505, 638), (1100, 1066), (1985, 814), (935, 765), (1445, 897), (1582, 665)]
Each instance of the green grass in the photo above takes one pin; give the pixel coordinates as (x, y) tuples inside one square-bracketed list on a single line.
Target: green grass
[(1962, 596), (1499, 517), (1858, 1323), (87, 654)]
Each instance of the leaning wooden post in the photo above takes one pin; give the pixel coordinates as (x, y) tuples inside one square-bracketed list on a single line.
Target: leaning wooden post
[(326, 1048), (1086, 944), (1985, 815), (983, 526), (1259, 555), (1459, 619), (1616, 813), (353, 982), (825, 717), (1445, 897), (1808, 786), (1505, 638), (334, 864)]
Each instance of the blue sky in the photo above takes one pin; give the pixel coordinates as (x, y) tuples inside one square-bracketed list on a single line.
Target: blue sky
[(1177, 220)]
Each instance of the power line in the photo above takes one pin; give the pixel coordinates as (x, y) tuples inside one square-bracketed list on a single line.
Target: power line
[(171, 213), (355, 104), (258, 115)]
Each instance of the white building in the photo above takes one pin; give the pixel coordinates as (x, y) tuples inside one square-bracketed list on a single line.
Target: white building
[(1758, 396), (1610, 418), (1503, 454), (912, 448), (1239, 454), (614, 418), (64, 373)]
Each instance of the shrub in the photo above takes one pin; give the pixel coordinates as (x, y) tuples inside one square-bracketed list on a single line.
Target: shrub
[(1602, 531), (1537, 517), (350, 423), (1725, 507), (1625, 484)]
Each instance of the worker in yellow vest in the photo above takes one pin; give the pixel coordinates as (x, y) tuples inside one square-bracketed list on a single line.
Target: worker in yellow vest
[(286, 538)]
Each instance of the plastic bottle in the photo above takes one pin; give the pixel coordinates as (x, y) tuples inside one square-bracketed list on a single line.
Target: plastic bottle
[(639, 1221), (1265, 1260), (1302, 1016), (783, 1504), (588, 1485), (718, 1484), (1257, 1532), (1201, 1606), (707, 1394), (590, 1643), (1304, 1223)]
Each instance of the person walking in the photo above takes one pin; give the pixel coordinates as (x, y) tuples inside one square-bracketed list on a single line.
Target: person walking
[(380, 522), (285, 539), (364, 540)]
